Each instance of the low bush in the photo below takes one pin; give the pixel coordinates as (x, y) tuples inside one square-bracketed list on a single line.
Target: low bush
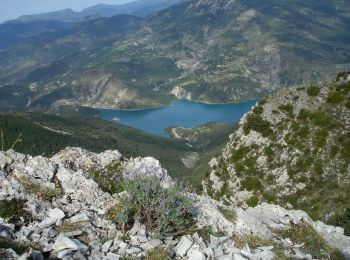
[(37, 189), (344, 140), (323, 119), (320, 137), (258, 110), (19, 247), (312, 242), (342, 220), (304, 114), (13, 210), (67, 227), (288, 109), (163, 211), (109, 179), (251, 183), (253, 201), (342, 75), (345, 88), (206, 231), (318, 166), (269, 153), (257, 123), (313, 91), (240, 153), (335, 97), (229, 214), (158, 253), (347, 104)]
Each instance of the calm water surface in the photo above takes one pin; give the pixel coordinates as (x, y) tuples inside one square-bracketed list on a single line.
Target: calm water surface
[(180, 113)]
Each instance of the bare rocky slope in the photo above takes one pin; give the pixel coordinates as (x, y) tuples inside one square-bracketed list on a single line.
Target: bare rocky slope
[(54, 207), (292, 149)]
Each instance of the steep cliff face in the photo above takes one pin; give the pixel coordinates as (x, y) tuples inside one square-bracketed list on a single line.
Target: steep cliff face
[(61, 207), (292, 149)]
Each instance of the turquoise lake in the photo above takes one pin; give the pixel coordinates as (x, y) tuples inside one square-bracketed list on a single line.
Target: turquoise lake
[(183, 113)]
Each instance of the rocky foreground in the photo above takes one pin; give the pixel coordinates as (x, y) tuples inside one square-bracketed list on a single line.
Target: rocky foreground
[(61, 213)]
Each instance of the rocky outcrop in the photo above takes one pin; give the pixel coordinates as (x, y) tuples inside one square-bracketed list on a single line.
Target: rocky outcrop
[(63, 213), (291, 147)]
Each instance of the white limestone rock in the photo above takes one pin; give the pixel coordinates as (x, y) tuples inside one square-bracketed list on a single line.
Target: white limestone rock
[(63, 243), (194, 253), (77, 158), (106, 246), (184, 245), (149, 245)]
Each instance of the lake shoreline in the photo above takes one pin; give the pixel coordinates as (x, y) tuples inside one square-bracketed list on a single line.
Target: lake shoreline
[(180, 113), (172, 102)]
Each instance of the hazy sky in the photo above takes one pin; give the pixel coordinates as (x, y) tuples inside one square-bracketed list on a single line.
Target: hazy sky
[(10, 9)]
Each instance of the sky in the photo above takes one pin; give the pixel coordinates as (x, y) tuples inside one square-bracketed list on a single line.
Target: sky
[(11, 9)]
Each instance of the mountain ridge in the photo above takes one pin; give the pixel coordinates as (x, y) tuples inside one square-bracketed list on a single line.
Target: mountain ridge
[(225, 51), (68, 15)]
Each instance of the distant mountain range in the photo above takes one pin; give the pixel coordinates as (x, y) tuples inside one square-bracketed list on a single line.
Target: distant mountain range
[(14, 31), (212, 51), (138, 8)]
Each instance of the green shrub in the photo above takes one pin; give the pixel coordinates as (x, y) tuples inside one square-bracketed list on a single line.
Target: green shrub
[(70, 227), (323, 119), (320, 137), (345, 88), (269, 153), (342, 75), (163, 211), (13, 210), (158, 253), (312, 242), (347, 104), (19, 247), (335, 97), (303, 132), (302, 164), (240, 153), (253, 201), (345, 147), (258, 110), (206, 231), (313, 91), (334, 151), (304, 114), (342, 220), (239, 168), (251, 183), (229, 214), (288, 108), (258, 124), (318, 166), (109, 179), (37, 189)]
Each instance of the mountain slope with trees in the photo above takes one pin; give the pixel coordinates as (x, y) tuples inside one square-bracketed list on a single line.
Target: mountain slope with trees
[(212, 51)]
